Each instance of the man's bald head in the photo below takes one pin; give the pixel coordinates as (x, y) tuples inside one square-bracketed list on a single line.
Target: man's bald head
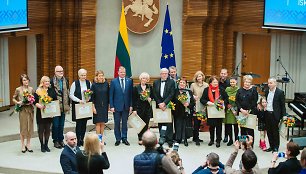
[(149, 139), (71, 139)]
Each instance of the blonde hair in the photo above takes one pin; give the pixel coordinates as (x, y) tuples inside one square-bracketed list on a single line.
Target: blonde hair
[(144, 75), (92, 144), (81, 71), (247, 77), (196, 76), (42, 80), (96, 76)]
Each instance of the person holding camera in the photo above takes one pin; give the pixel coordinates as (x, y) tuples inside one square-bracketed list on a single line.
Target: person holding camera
[(303, 161), (211, 165), (292, 165), (248, 162), (93, 159), (152, 161)]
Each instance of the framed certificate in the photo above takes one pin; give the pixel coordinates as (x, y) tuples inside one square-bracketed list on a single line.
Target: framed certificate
[(83, 110), (251, 121), (136, 122), (160, 116), (52, 110), (199, 106), (212, 112)]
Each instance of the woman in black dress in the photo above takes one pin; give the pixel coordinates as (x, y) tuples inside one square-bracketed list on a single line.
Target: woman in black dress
[(246, 100), (183, 112), (43, 124), (141, 102), (210, 94), (93, 159), (100, 101)]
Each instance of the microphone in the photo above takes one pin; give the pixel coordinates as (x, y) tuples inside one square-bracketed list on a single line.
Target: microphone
[(277, 60)]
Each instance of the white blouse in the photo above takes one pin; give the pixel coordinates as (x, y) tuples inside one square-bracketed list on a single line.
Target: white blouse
[(72, 90)]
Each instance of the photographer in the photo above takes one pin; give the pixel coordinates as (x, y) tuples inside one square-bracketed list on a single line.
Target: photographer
[(211, 165), (151, 161), (248, 159)]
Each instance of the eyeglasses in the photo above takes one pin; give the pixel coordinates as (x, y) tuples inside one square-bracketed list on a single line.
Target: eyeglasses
[(59, 71)]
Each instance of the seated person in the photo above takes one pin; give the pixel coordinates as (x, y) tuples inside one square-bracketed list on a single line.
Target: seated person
[(211, 165), (291, 165), (303, 162), (151, 161), (248, 162)]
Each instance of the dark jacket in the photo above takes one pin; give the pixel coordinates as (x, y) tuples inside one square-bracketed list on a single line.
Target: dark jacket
[(148, 162), (292, 166), (78, 94), (279, 108), (168, 91), (95, 166), (142, 107), (121, 101), (68, 161)]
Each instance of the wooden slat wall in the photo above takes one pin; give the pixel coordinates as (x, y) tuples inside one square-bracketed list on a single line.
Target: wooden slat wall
[(209, 32)]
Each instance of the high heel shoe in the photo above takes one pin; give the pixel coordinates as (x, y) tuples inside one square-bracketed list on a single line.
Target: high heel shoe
[(263, 145), (24, 151), (185, 143), (29, 150)]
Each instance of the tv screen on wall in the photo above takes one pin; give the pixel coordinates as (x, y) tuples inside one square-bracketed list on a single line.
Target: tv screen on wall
[(285, 14), (13, 15)]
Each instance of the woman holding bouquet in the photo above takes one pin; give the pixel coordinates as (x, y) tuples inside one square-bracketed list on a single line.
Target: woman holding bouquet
[(211, 95), (43, 95), (142, 96), (197, 89), (246, 100), (100, 101), (77, 95), (230, 119), (26, 112), (183, 98)]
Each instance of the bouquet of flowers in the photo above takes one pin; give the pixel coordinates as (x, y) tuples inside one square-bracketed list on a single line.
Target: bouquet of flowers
[(45, 100), (27, 98), (201, 116), (289, 121), (171, 105), (219, 104), (87, 94), (182, 98), (144, 95), (241, 120)]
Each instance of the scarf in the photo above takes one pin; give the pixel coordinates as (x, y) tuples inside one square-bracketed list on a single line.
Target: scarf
[(210, 94), (64, 104)]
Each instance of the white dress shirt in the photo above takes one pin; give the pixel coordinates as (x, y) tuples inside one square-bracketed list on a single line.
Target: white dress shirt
[(270, 100), (162, 88), (72, 90)]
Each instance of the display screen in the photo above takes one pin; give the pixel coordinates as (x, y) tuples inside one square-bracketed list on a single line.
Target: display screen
[(285, 14), (13, 15)]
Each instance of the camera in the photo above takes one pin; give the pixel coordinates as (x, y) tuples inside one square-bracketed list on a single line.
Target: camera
[(176, 146), (100, 137), (281, 155), (162, 140), (243, 138)]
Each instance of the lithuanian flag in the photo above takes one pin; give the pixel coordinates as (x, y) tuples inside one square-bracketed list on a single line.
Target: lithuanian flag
[(123, 50)]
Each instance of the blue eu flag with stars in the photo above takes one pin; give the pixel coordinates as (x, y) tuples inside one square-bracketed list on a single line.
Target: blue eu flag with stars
[(168, 57)]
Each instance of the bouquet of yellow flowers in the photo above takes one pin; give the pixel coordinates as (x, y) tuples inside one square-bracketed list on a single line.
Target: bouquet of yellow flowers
[(201, 116), (289, 121), (232, 98), (45, 100), (144, 95), (219, 104), (171, 105), (87, 94), (182, 97)]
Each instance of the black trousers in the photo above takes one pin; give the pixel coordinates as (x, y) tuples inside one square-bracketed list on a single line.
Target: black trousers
[(229, 131), (196, 128), (169, 131), (247, 131), (146, 119), (272, 130), (218, 127), (80, 130)]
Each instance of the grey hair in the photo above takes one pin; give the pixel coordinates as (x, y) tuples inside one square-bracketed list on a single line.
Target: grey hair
[(164, 70), (272, 79), (81, 71), (144, 75)]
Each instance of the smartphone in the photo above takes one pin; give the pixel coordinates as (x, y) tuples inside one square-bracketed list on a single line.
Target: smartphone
[(100, 137), (242, 138), (176, 146)]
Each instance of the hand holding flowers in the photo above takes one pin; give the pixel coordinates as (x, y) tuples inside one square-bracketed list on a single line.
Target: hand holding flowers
[(87, 94)]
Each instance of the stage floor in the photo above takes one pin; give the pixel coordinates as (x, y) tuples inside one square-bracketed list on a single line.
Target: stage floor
[(120, 157)]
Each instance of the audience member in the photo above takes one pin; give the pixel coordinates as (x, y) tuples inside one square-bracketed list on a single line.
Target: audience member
[(248, 162), (211, 165), (67, 159), (303, 161), (151, 161), (291, 165), (93, 159)]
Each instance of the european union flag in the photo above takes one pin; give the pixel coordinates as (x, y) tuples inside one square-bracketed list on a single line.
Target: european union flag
[(168, 57)]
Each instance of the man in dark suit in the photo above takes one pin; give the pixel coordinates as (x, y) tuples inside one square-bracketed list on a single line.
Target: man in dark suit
[(68, 159), (276, 110), (163, 92), (120, 100)]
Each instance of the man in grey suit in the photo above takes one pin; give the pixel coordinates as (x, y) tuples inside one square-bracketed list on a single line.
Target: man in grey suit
[(276, 110), (120, 100)]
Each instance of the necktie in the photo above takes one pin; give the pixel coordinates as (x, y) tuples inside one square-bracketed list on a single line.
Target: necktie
[(122, 85), (75, 150)]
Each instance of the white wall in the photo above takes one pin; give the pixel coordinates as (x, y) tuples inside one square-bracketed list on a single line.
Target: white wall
[(4, 72), (145, 50), (32, 60)]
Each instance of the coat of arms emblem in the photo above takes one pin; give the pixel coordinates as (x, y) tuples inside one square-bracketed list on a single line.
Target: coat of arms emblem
[(141, 15)]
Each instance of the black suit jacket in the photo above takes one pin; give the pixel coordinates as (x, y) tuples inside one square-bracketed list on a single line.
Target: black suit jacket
[(279, 108), (68, 161), (168, 91), (292, 166), (142, 107)]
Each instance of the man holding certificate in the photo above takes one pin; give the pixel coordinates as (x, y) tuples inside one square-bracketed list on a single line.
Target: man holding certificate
[(163, 92), (120, 100)]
